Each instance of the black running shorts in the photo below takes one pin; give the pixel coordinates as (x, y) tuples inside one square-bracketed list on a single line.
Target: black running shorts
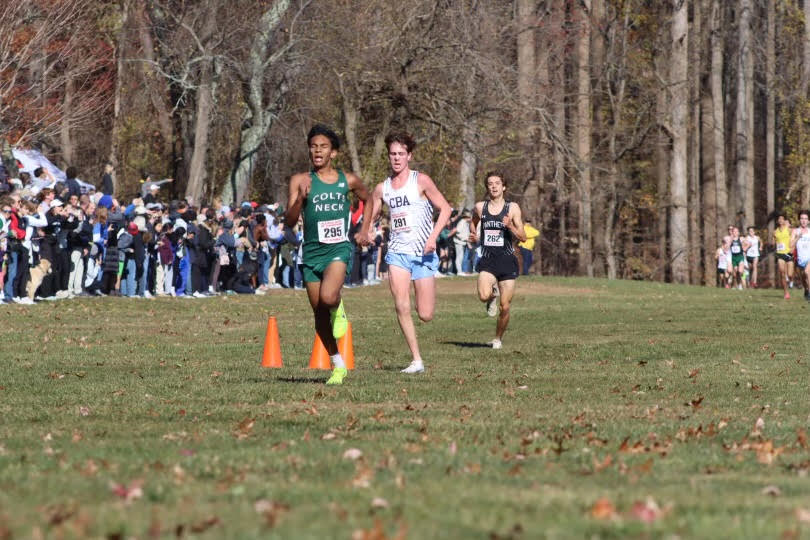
[(503, 268)]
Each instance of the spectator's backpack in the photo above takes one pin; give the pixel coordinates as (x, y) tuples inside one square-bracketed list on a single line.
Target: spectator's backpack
[(124, 240), (165, 251)]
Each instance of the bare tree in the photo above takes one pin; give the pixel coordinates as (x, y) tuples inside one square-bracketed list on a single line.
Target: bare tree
[(583, 138), (49, 67), (679, 96), (745, 116), (265, 87)]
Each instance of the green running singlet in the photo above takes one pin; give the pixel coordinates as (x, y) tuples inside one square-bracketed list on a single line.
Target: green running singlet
[(326, 226)]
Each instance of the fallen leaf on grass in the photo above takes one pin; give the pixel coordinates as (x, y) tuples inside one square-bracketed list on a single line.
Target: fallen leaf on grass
[(601, 465), (328, 436), (379, 503), (84, 411), (205, 524), (353, 454), (244, 428), (363, 476), (694, 373), (803, 515), (801, 437), (603, 509), (773, 491), (271, 510), (648, 511), (128, 493), (378, 533)]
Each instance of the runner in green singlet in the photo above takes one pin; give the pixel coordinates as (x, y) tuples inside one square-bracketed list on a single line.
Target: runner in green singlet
[(320, 195)]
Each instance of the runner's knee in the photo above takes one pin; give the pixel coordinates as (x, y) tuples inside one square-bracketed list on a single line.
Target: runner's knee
[(425, 315), (330, 298)]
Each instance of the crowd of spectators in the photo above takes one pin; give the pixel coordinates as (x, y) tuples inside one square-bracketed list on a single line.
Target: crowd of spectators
[(57, 242), (60, 242)]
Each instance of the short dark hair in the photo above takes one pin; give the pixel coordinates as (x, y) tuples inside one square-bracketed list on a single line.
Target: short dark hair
[(402, 138), (71, 172), (494, 173), (38, 172), (805, 213), (326, 131)]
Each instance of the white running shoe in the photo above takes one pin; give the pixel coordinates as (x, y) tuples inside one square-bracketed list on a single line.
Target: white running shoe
[(496, 344), (147, 294), (414, 367), (25, 301), (198, 294), (492, 306)]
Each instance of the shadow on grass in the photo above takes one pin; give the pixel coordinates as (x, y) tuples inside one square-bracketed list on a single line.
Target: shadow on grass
[(319, 380), (468, 344)]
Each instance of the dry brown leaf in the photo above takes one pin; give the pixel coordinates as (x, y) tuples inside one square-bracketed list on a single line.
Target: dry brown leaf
[(205, 524), (271, 510), (803, 515), (244, 428), (603, 509), (379, 503)]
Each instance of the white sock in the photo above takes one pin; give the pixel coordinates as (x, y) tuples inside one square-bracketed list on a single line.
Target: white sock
[(337, 361), (417, 361)]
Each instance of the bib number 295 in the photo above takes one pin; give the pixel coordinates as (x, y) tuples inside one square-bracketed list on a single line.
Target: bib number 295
[(331, 232)]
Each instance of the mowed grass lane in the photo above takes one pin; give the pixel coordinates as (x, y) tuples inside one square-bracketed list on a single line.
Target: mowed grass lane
[(615, 409)]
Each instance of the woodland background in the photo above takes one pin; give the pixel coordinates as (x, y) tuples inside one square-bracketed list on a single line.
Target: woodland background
[(631, 132)]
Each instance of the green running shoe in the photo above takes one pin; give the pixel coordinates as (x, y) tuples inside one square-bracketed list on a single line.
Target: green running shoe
[(339, 322), (338, 374)]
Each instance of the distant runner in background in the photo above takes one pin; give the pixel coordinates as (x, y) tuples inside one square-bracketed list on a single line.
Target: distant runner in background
[(501, 225)]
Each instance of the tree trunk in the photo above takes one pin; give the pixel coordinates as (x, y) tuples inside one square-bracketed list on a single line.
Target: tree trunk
[(696, 65), (804, 168), (678, 224), (583, 139), (261, 111), (469, 166), (202, 126), (719, 118), (770, 121), (710, 239), (120, 56), (662, 159), (350, 114), (745, 117), (154, 80), (65, 140)]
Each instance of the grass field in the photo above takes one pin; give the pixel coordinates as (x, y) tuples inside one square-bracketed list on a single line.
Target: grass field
[(615, 410)]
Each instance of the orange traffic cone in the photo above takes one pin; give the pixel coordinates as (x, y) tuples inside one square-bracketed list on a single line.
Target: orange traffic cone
[(319, 359), (346, 348), (271, 357)]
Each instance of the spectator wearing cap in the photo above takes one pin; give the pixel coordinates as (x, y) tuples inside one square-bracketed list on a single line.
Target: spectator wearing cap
[(150, 188)]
